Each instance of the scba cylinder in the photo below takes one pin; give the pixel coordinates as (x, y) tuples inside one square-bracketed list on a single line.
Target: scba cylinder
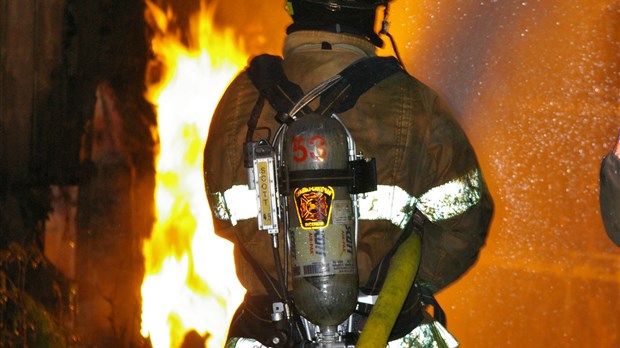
[(325, 279)]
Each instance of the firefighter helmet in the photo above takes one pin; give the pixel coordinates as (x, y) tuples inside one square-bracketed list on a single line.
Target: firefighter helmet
[(353, 4), (333, 15), (336, 5)]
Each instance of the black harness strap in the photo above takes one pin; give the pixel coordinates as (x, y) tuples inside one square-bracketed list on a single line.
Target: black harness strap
[(357, 78), (267, 74), (322, 177)]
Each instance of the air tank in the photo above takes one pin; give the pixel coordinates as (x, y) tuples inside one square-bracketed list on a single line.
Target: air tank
[(321, 227)]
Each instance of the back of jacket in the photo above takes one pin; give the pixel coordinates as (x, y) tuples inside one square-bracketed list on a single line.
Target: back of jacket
[(424, 161)]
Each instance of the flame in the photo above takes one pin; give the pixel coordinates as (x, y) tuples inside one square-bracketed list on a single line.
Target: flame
[(190, 281)]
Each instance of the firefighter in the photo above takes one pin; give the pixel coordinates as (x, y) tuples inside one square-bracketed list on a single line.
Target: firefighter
[(426, 168), (609, 194)]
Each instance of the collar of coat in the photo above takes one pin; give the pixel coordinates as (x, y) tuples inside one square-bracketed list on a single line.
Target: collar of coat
[(300, 40)]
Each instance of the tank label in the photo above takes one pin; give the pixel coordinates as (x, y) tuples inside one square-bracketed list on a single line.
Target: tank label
[(324, 251), (314, 206), (343, 212)]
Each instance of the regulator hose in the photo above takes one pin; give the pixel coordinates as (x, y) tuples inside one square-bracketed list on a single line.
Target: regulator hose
[(399, 279)]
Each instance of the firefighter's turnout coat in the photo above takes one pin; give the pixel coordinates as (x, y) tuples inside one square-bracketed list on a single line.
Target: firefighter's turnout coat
[(424, 161)]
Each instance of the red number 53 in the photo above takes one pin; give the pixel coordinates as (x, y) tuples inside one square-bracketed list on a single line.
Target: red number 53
[(301, 146)]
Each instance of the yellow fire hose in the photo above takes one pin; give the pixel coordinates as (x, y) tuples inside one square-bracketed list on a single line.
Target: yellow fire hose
[(401, 274)]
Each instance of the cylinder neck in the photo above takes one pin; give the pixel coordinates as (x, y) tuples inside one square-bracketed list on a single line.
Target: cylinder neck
[(328, 336)]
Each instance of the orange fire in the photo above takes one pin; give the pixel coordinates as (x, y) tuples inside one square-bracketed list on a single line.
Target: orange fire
[(190, 282)]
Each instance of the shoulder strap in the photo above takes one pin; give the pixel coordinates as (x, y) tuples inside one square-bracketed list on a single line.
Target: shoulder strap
[(266, 72), (357, 78)]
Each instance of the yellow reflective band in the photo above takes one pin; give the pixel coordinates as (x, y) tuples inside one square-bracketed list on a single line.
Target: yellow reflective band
[(289, 8), (452, 198), (240, 342), (439, 203), (237, 203), (429, 334), (390, 203), (386, 203)]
